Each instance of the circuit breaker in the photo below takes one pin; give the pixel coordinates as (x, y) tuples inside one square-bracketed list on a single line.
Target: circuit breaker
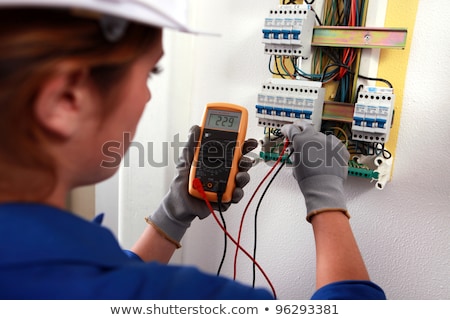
[(288, 30), (373, 113), (283, 101)]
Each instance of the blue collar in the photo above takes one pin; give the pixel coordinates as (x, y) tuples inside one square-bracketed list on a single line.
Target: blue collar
[(33, 233)]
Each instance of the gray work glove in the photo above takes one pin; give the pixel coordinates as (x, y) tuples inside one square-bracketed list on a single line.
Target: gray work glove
[(178, 208), (320, 166)]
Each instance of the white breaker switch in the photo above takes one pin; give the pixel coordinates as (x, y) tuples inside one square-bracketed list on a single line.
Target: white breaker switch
[(284, 101), (288, 30), (373, 113)]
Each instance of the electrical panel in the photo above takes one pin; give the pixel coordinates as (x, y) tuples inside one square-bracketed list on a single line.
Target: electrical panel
[(373, 114), (283, 101), (327, 95), (288, 30)]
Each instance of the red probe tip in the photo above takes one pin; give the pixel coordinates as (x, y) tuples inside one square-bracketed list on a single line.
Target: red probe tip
[(197, 184)]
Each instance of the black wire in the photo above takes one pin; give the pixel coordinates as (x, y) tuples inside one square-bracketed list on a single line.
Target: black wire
[(277, 133), (278, 69), (270, 68), (219, 203), (332, 65), (296, 73), (380, 150), (256, 215), (357, 92), (369, 149), (376, 79), (340, 64), (332, 54), (307, 2), (346, 11), (343, 92), (317, 17), (276, 65)]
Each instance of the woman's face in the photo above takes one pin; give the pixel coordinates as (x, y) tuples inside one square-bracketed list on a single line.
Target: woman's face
[(110, 139)]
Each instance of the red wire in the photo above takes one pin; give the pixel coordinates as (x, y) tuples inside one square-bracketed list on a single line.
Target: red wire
[(349, 51), (198, 185), (251, 199)]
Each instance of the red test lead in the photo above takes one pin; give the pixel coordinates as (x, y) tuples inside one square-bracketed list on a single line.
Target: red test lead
[(197, 184)]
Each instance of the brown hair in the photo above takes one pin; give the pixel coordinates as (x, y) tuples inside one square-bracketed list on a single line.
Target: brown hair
[(32, 42)]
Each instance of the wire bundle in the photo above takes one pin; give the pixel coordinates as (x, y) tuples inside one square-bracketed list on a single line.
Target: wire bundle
[(329, 64), (338, 65)]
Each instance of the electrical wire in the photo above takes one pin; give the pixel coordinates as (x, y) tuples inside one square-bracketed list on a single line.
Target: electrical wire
[(376, 79), (340, 65), (380, 150), (277, 73), (249, 202), (342, 132), (369, 149), (340, 13), (278, 58), (257, 211), (219, 204), (199, 186), (319, 22), (285, 69)]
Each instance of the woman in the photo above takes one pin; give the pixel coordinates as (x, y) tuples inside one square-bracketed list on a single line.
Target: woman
[(74, 77)]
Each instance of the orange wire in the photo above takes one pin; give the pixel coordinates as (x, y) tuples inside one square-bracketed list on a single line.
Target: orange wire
[(285, 68)]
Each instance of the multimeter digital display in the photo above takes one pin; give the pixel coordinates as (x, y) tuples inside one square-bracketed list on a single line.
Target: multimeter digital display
[(223, 120), (219, 150)]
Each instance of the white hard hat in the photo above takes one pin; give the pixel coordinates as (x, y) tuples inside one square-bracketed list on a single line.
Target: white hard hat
[(160, 13)]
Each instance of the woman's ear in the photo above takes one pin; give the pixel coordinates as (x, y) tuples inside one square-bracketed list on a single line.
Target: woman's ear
[(60, 101)]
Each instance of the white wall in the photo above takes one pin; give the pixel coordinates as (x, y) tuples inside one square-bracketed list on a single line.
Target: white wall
[(403, 230)]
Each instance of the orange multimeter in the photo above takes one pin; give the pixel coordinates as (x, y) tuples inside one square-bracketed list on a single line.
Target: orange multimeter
[(219, 150)]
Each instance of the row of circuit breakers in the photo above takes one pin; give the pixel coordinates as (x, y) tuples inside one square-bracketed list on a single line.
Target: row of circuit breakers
[(283, 101), (288, 31)]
